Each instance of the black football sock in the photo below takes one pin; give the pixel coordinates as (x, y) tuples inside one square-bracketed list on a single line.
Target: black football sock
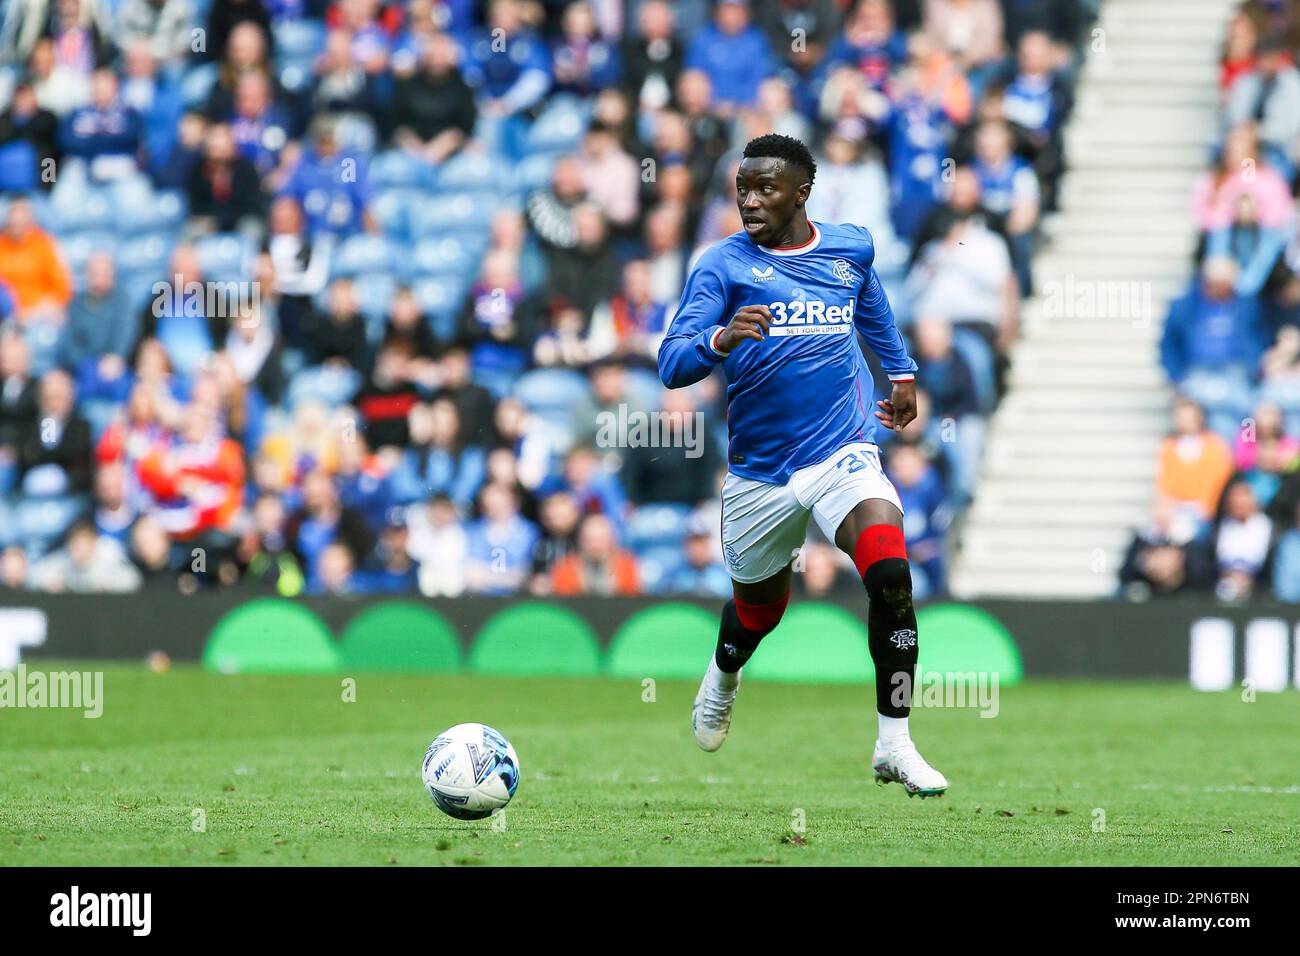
[(891, 634), (735, 641)]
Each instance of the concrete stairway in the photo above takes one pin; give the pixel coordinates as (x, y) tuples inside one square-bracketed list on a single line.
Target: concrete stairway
[(1069, 462)]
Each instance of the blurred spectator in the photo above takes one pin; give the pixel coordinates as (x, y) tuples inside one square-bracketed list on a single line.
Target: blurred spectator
[(261, 127), (1240, 171), (54, 457), (631, 324), (1008, 188), (610, 175), (559, 516), (322, 521), (28, 142), (301, 267), (225, 192), (677, 464), (1269, 95), (224, 17), (246, 52), (822, 572), (339, 336), (1241, 544), (500, 545), (1037, 98), (197, 478), (150, 552), (954, 401), (343, 84), (701, 574), (331, 186), (30, 265), (113, 514), (13, 569), (652, 56), (265, 549), (390, 569), (509, 68), (87, 563), (735, 55), (598, 566), (926, 516), (386, 398), (584, 62), (1253, 247), (1193, 464), (1165, 557), (335, 571), (472, 401), (853, 187), (1213, 339), (18, 403), (1238, 52), (439, 543), (166, 25), (101, 330), (968, 30), (106, 134), (433, 109), (442, 458), (1264, 452)]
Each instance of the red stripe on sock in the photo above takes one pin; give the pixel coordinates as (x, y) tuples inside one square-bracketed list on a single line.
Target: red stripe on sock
[(761, 617), (876, 542)]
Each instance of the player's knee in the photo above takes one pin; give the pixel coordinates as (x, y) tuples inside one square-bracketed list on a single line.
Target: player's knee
[(761, 618), (889, 581)]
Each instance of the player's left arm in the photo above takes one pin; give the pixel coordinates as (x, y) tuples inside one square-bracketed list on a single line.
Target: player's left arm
[(874, 318)]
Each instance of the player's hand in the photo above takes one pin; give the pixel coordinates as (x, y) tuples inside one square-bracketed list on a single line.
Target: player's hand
[(749, 322), (899, 410)]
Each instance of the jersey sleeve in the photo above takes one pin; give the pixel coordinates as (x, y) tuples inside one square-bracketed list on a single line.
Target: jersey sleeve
[(689, 351), (875, 320)]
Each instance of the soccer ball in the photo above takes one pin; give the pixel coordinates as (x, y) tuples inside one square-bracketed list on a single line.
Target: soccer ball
[(471, 771)]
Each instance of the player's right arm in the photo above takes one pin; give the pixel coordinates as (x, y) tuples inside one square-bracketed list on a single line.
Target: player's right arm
[(701, 336)]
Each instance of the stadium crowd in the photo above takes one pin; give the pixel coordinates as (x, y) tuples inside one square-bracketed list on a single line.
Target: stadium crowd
[(358, 296), (1227, 516)]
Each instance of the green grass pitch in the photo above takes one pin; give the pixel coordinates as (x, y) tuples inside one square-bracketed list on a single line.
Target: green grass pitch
[(280, 770)]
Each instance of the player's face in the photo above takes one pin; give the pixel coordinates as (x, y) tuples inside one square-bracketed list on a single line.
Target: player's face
[(769, 192)]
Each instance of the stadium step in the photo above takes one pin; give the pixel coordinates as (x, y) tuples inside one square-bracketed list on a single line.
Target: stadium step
[(1069, 465)]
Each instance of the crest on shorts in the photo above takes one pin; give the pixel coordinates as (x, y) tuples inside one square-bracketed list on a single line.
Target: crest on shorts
[(841, 269)]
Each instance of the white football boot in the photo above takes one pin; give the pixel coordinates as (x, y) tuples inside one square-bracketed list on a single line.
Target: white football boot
[(711, 713), (900, 762)]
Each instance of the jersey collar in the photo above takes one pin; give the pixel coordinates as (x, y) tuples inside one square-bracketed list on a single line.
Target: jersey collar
[(813, 242)]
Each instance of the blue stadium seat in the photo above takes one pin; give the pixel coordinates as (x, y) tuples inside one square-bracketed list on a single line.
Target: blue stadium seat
[(8, 524), (657, 525), (42, 520), (364, 253), (77, 208), (658, 565), (473, 172), (391, 209), (375, 291), (197, 83), (224, 255), (298, 41), (397, 169), (443, 215), (328, 384), (440, 299), (644, 388), (148, 254), (295, 78), (559, 128), (451, 255), (546, 390), (77, 249), (534, 172)]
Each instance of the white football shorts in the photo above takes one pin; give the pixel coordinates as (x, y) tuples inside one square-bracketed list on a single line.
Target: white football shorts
[(764, 525)]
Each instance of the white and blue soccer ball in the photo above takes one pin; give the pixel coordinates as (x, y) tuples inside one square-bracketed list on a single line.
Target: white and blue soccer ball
[(471, 771)]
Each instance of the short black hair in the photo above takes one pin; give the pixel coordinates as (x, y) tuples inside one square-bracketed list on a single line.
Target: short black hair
[(787, 148)]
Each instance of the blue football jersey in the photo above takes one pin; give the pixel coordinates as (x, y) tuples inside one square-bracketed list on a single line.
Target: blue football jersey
[(805, 390)]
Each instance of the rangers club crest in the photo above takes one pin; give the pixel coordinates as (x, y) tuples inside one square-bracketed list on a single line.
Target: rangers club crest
[(844, 272)]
